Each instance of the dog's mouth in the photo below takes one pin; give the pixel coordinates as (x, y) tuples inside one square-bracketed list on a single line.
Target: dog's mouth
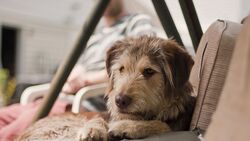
[(124, 111)]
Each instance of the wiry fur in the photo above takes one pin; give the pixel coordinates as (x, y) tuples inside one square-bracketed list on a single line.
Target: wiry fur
[(160, 100), (165, 96)]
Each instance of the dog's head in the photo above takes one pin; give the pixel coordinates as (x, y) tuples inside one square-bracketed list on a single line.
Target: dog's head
[(145, 74)]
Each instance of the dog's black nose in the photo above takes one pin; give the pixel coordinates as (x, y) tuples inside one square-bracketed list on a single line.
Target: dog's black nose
[(122, 101)]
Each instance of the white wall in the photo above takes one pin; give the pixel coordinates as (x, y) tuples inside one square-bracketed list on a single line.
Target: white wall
[(59, 12), (45, 36), (209, 11)]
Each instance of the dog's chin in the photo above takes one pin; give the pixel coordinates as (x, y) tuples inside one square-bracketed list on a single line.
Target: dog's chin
[(138, 114), (123, 111)]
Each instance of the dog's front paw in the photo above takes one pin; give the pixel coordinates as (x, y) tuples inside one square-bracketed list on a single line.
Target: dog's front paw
[(124, 130), (94, 130), (92, 134)]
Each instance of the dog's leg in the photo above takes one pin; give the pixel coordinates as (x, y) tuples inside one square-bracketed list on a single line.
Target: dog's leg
[(95, 129), (132, 129)]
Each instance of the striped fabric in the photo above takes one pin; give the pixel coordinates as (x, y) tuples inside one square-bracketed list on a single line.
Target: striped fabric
[(130, 25), (210, 69)]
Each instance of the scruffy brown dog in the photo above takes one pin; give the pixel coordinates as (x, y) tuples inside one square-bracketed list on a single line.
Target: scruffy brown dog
[(148, 94)]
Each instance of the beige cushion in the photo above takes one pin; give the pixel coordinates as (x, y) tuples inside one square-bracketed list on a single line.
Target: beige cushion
[(231, 121), (211, 65)]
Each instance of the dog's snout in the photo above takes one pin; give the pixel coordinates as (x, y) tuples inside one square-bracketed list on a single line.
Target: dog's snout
[(122, 101)]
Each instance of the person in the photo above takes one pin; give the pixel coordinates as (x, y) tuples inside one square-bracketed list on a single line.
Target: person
[(89, 70)]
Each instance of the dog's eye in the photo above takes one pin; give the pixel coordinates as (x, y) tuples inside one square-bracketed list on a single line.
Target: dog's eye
[(148, 72), (121, 69)]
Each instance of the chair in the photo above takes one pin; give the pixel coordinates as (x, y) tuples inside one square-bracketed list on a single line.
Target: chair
[(231, 120), (210, 70)]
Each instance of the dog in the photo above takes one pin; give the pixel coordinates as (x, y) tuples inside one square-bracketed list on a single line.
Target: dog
[(148, 94)]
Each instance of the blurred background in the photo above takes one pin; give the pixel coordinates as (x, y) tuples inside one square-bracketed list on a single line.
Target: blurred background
[(35, 35)]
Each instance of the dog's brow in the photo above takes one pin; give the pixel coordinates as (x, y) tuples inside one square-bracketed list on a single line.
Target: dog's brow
[(116, 66), (145, 62)]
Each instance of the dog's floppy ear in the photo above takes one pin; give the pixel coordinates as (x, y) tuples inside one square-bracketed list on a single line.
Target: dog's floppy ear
[(179, 61), (112, 54)]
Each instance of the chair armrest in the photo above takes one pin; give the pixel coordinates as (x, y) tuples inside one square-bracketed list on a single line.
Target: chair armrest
[(33, 92), (85, 93)]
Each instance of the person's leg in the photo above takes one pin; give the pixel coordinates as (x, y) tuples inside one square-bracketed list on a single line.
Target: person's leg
[(10, 113), (12, 130), (24, 118)]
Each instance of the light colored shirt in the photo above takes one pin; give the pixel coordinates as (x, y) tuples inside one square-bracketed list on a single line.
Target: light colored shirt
[(135, 25)]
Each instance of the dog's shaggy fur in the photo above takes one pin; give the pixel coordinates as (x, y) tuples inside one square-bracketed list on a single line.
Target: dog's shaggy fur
[(148, 93)]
